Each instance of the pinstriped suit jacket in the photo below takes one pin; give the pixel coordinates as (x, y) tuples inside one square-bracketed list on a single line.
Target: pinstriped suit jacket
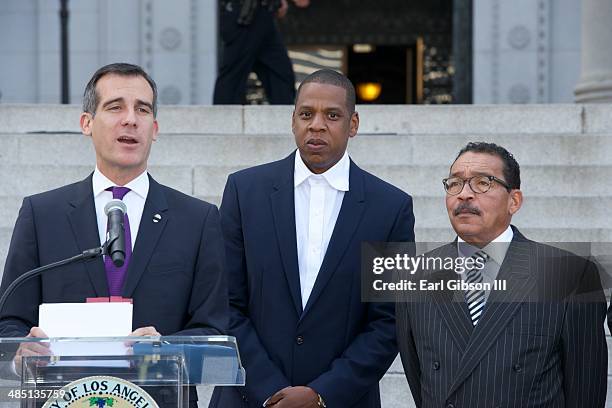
[(540, 343)]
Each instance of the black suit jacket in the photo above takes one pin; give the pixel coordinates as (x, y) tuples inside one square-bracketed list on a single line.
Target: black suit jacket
[(540, 343), (175, 276), (338, 345)]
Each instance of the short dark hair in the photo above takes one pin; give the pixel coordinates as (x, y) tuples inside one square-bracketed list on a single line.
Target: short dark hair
[(331, 77), (91, 99), (511, 170)]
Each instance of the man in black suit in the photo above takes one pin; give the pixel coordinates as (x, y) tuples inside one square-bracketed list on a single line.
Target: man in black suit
[(534, 340), (293, 231), (174, 274), (253, 43)]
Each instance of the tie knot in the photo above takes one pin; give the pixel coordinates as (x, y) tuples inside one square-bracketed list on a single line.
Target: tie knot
[(118, 192)]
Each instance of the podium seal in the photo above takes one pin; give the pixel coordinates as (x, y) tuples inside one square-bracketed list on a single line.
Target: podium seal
[(101, 392)]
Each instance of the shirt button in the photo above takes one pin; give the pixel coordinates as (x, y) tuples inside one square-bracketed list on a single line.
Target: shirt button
[(299, 340), (436, 365)]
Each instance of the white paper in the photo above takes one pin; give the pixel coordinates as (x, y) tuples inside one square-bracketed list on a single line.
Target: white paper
[(99, 319)]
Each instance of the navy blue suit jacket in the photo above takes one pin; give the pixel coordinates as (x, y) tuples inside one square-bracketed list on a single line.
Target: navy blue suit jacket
[(338, 345), (538, 343), (175, 276)]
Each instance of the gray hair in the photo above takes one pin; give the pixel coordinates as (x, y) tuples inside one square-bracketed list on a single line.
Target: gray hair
[(91, 99)]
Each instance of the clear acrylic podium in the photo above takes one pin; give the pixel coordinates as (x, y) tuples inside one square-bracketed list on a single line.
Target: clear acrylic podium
[(117, 371)]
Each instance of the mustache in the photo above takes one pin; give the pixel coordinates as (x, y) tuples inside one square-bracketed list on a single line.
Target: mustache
[(466, 207)]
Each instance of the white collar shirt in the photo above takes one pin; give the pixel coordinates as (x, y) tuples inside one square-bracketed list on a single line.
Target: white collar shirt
[(134, 201), (318, 198)]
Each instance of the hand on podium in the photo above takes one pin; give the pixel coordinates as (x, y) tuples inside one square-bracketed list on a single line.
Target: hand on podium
[(31, 349), (143, 331), (146, 331)]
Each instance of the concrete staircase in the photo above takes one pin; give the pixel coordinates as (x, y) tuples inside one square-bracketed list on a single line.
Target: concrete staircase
[(565, 153)]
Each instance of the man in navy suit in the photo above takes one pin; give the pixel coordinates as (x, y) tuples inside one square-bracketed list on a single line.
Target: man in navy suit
[(534, 340), (293, 231), (175, 271)]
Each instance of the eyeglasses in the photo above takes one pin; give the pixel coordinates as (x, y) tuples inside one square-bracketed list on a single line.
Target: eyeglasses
[(478, 184)]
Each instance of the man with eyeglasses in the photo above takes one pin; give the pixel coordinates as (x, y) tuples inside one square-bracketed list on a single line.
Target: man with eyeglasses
[(536, 340)]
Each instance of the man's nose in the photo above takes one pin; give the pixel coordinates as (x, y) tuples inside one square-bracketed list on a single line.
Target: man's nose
[(466, 192), (317, 123), (129, 119)]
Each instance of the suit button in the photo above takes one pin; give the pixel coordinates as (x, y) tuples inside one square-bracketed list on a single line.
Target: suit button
[(436, 365), (449, 405), (517, 368), (299, 340), (244, 398)]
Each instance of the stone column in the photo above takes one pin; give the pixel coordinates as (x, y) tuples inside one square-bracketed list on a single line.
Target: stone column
[(462, 51), (595, 84)]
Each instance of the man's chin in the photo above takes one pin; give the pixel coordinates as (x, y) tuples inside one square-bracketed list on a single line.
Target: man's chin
[(466, 229), (317, 164)]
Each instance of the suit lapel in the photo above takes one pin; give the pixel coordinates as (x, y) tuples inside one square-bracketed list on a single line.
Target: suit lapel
[(149, 233), (500, 306), (282, 201), (351, 211), (453, 309), (83, 221)]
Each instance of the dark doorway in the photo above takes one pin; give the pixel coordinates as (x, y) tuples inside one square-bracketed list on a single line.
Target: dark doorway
[(412, 45), (383, 74)]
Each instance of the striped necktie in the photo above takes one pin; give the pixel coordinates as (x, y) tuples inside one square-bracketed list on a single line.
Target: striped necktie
[(476, 298)]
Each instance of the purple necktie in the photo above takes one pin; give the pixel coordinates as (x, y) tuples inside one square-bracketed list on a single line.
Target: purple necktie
[(116, 275)]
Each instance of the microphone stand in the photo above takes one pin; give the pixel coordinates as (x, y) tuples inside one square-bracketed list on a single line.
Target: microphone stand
[(87, 254)]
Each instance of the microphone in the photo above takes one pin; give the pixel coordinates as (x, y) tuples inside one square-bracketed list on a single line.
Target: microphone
[(115, 236), (114, 247)]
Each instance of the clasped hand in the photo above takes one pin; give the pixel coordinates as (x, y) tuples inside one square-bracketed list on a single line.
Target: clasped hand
[(294, 397)]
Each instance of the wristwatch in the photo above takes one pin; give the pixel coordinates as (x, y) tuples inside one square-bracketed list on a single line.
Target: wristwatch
[(321, 403)]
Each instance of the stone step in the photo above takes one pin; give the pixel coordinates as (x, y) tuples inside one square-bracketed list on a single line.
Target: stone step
[(366, 150), (573, 206), (24, 180), (545, 181), (537, 212), (537, 181), (552, 235), (391, 119), (587, 218)]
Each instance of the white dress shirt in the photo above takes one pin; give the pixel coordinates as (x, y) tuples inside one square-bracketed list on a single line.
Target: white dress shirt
[(134, 201), (318, 198)]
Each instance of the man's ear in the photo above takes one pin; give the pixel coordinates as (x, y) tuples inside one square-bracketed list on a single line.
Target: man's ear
[(354, 125), (86, 123), (516, 201), (156, 130)]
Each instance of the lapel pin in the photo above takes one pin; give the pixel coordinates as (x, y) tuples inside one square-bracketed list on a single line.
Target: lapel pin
[(156, 218)]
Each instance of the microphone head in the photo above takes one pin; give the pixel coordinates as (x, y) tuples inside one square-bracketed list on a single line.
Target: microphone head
[(113, 205)]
